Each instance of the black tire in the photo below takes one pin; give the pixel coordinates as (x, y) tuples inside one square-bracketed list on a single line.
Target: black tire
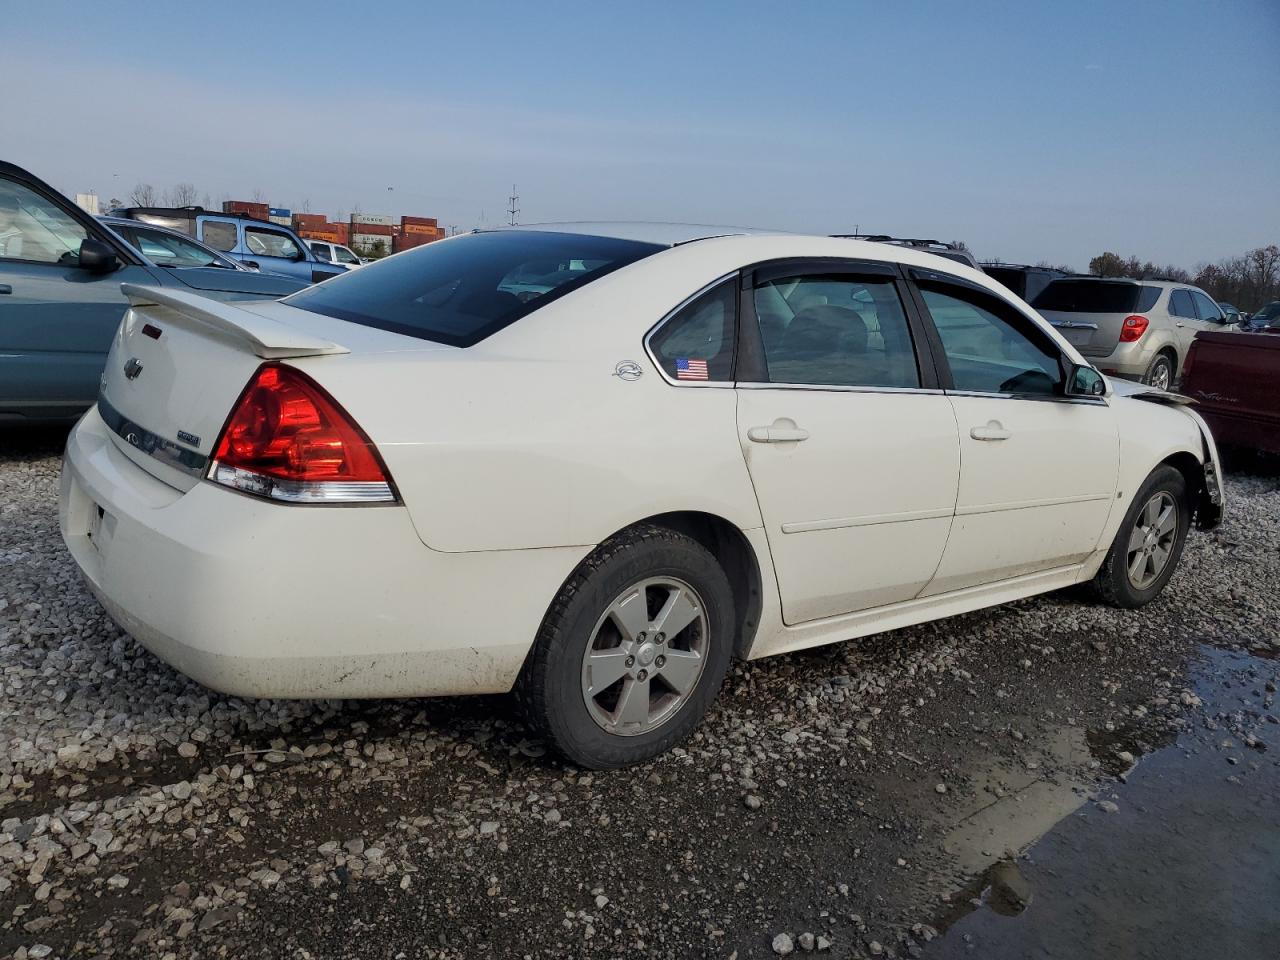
[(550, 685), (1163, 360), (1112, 583)]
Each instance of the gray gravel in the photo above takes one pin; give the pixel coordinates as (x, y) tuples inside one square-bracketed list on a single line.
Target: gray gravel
[(142, 815)]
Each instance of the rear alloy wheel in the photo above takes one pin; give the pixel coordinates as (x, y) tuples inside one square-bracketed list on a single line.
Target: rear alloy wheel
[(1148, 544), (633, 650), (1160, 373)]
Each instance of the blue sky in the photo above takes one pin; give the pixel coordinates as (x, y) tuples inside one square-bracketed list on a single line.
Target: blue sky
[(1031, 131)]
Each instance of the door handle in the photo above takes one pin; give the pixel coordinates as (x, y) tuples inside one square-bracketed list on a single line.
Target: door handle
[(5, 288), (780, 431), (994, 430), (1179, 323)]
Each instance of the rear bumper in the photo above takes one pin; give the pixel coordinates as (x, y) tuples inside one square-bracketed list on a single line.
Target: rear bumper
[(258, 599), (1128, 360)]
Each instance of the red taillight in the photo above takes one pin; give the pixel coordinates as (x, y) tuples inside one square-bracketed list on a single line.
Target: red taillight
[(287, 439), (1133, 328)]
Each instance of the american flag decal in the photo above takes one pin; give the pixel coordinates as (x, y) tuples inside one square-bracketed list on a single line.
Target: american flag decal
[(691, 369)]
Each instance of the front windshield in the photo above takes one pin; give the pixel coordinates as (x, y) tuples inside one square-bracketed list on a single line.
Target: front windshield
[(1268, 316)]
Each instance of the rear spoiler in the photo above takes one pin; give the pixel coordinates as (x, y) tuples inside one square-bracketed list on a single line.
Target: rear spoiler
[(267, 338)]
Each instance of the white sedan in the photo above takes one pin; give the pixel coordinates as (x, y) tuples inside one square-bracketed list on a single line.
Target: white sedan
[(594, 463)]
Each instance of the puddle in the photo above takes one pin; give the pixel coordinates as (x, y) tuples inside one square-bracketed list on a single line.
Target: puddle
[(1180, 857)]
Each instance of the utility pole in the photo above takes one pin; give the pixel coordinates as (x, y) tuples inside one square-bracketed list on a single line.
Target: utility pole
[(513, 211)]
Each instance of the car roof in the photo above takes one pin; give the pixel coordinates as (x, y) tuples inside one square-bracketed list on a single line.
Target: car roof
[(663, 234), (142, 224)]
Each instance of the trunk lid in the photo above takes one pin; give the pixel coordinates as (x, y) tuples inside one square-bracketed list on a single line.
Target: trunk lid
[(1090, 312), (178, 364)]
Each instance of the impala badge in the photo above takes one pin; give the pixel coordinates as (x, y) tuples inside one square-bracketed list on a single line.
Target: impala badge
[(132, 367)]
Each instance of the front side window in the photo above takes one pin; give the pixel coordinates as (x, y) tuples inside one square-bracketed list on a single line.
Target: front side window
[(1206, 309), (464, 289), (219, 234), (696, 345), (1180, 304), (270, 243), (990, 346), (321, 250), (345, 256), (33, 228), (835, 330)]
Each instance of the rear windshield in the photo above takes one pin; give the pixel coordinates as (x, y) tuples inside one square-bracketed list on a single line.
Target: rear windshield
[(1096, 296), (461, 290)]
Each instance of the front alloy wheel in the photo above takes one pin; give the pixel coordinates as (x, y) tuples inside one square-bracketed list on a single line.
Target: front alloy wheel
[(1151, 541)]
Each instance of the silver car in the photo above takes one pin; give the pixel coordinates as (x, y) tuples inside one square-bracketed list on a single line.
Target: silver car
[(1136, 329)]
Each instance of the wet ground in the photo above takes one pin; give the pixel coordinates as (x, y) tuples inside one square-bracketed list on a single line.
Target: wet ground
[(1180, 857), (1050, 778)]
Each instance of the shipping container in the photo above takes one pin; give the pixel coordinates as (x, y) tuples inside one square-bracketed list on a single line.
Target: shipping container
[(377, 229), (424, 221), (420, 228), (341, 230), (371, 240), (373, 218), (283, 221), (319, 235), (310, 221), (280, 212), (247, 208)]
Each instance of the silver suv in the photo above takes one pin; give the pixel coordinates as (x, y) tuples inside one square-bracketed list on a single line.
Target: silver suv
[(1137, 329)]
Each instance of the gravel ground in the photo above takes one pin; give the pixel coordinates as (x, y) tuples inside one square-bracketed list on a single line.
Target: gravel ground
[(822, 807)]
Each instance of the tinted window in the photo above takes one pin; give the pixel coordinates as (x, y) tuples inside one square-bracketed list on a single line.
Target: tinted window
[(345, 256), (166, 250), (990, 346), (697, 343), (219, 234), (835, 330), (270, 243), (1011, 277), (1180, 304), (1206, 309), (1148, 298), (461, 290), (33, 228), (1089, 296), (321, 251)]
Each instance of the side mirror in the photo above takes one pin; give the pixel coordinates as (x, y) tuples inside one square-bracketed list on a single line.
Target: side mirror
[(1084, 381), (97, 257)]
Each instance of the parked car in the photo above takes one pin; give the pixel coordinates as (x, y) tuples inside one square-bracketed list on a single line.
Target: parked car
[(335, 253), (60, 297), (407, 481), (1267, 319), (1138, 329), (1025, 281), (169, 248), (272, 247), (1234, 316), (939, 248), (1234, 378)]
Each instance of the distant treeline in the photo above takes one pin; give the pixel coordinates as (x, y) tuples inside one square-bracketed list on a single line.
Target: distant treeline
[(1249, 282)]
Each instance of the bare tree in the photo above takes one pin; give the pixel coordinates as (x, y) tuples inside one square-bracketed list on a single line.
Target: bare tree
[(143, 195), (306, 206), (182, 195), (258, 196)]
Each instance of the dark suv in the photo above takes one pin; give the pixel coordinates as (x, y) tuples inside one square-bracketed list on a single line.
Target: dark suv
[(1025, 281)]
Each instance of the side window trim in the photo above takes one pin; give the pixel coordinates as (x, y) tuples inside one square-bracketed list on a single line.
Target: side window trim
[(671, 315), (944, 366), (752, 369)]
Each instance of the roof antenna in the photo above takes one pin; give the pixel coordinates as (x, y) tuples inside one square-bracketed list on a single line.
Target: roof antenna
[(513, 211)]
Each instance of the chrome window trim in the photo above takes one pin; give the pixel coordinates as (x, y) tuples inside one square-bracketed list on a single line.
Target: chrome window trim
[(667, 318), (837, 388), (1036, 397)]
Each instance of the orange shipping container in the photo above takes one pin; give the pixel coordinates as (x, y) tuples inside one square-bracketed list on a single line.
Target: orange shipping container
[(424, 221), (319, 235), (419, 228)]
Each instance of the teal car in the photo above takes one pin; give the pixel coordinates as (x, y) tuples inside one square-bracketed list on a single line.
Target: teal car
[(60, 299)]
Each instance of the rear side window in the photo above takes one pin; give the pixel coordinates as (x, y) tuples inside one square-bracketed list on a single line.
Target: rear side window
[(461, 290), (1090, 296), (1148, 298), (219, 235), (835, 330), (270, 243), (697, 343)]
